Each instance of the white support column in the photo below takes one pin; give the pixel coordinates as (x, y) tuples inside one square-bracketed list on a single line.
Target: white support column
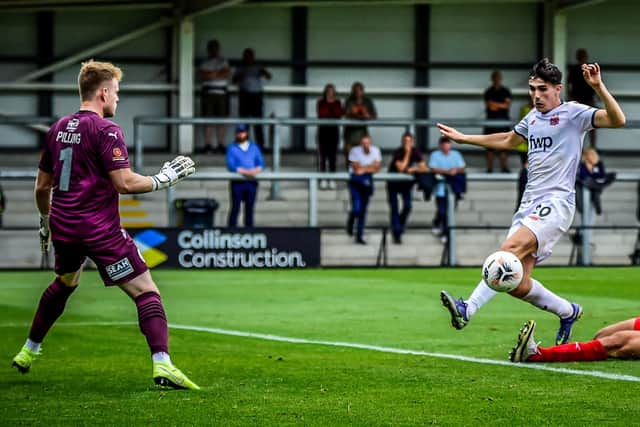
[(185, 87), (560, 43)]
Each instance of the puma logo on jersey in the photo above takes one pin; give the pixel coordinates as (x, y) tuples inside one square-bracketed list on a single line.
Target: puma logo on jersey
[(541, 143), (113, 134)]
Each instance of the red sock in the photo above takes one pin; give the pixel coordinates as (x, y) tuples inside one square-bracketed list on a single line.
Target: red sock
[(51, 306), (636, 324), (153, 322), (573, 352)]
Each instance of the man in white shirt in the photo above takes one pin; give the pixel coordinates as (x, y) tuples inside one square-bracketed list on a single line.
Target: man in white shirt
[(554, 131), (364, 160), (214, 73)]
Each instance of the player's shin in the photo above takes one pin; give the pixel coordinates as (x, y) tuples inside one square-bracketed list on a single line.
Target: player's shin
[(574, 352), (153, 322), (51, 306), (544, 299), (481, 295)]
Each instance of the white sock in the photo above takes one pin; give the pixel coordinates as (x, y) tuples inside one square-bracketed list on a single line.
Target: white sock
[(33, 346), (161, 357), (479, 297), (546, 300)]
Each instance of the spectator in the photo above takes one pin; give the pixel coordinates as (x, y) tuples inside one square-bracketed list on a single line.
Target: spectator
[(328, 107), (245, 158), (214, 73), (591, 174), (3, 204), (497, 100), (359, 107), (248, 77), (364, 161), (448, 163), (406, 159), (523, 149), (578, 88)]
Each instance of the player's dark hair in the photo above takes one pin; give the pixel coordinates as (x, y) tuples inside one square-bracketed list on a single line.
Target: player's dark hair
[(546, 71), (406, 135)]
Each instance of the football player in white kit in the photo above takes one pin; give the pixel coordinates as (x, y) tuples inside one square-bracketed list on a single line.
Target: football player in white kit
[(554, 131)]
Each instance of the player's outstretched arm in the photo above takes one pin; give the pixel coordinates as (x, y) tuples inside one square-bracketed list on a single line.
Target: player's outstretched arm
[(498, 141), (128, 182), (612, 116)]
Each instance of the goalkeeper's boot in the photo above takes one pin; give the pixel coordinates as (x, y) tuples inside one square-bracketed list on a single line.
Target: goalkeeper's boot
[(24, 359), (526, 345), (564, 332), (167, 375), (457, 309)]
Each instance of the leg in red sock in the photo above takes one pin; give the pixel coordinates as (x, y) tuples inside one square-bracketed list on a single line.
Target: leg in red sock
[(573, 352), (153, 322)]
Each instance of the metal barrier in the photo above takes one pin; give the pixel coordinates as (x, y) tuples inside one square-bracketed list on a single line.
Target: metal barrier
[(312, 179)]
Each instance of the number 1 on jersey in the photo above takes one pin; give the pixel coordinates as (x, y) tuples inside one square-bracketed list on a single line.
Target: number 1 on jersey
[(66, 156)]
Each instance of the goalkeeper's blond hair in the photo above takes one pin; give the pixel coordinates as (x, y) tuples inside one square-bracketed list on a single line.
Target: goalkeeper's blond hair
[(93, 74)]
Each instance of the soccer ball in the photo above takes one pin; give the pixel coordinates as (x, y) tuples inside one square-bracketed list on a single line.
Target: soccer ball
[(502, 271)]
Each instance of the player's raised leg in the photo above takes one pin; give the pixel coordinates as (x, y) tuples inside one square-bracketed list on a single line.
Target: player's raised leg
[(50, 308), (153, 325)]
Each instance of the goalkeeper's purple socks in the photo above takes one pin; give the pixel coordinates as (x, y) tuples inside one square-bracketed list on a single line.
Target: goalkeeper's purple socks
[(153, 322), (51, 306)]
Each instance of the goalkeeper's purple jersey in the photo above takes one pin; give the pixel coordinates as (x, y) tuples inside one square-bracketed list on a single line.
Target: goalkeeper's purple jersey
[(80, 151)]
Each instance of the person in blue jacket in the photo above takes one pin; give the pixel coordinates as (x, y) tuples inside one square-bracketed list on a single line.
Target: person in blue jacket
[(244, 157)]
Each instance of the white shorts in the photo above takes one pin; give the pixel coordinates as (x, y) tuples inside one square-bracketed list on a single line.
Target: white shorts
[(548, 219)]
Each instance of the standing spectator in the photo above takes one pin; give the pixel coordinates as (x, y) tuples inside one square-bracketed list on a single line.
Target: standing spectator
[(245, 158), (497, 100), (328, 107), (248, 77), (359, 107), (3, 204), (523, 150), (364, 160), (406, 159), (214, 73), (448, 163), (579, 90)]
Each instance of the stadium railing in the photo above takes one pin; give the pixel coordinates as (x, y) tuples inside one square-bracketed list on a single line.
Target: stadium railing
[(312, 179)]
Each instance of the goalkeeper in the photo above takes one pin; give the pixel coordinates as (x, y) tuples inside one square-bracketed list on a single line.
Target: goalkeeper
[(83, 169)]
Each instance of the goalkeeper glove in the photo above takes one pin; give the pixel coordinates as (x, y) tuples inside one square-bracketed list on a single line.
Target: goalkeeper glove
[(44, 233), (172, 172)]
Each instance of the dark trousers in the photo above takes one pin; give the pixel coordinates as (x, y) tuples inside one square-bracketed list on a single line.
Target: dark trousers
[(440, 219), (359, 203), (328, 139), (242, 192), (399, 217), (250, 105)]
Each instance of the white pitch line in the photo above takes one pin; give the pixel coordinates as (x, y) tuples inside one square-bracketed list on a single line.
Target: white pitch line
[(294, 340)]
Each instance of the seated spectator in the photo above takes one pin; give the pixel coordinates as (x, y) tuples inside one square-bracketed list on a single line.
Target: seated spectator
[(450, 164), (357, 107), (245, 158), (328, 107), (364, 160), (406, 159), (214, 73)]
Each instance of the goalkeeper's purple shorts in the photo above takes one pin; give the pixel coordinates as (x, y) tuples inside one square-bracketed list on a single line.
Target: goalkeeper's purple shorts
[(116, 255)]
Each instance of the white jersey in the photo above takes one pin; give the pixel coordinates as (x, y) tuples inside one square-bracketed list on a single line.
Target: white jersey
[(554, 149), (358, 155)]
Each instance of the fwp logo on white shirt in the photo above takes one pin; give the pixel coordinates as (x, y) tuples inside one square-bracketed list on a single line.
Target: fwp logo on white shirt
[(541, 143)]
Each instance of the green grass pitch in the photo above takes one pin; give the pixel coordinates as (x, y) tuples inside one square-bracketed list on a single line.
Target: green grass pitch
[(96, 369)]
